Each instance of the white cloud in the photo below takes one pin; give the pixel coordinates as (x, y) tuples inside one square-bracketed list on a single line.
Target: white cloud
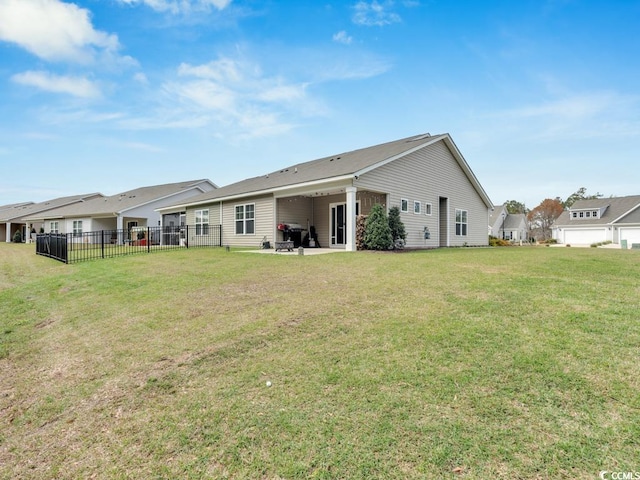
[(578, 107), (342, 37), (142, 146), (236, 96), (228, 83), (76, 86), (180, 6), (571, 116), (55, 31), (141, 78), (374, 14)]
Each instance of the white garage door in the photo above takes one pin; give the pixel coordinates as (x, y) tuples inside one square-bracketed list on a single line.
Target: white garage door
[(585, 236), (631, 235)]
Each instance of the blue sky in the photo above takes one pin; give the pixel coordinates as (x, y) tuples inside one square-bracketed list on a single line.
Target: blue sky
[(541, 97)]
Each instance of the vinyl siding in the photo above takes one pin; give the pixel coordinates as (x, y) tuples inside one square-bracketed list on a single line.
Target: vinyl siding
[(322, 211), (214, 219), (425, 176), (264, 222), (295, 209)]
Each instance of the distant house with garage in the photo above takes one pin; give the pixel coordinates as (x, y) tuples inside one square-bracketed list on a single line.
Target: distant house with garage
[(123, 211), (508, 226), (441, 201), (615, 219)]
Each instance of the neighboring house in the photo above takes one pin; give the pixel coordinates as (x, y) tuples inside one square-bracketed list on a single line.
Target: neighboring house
[(441, 201), (134, 208), (599, 220), (15, 217), (508, 226)]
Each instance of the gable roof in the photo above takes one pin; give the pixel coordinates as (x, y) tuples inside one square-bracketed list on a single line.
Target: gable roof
[(7, 209), (496, 213), (22, 211), (340, 166), (121, 202), (615, 209), (514, 220)]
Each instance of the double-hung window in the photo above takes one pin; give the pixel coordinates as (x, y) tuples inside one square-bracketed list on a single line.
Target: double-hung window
[(246, 219), (77, 228), (202, 222), (427, 209), (416, 207), (461, 222), (53, 227), (404, 205)]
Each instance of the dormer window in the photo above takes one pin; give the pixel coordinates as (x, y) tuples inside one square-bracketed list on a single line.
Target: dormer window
[(585, 214)]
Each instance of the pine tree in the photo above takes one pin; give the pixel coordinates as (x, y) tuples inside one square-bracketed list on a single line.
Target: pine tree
[(397, 227), (377, 234)]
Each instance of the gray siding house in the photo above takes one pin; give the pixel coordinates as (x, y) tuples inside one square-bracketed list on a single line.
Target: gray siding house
[(441, 201), (20, 216), (586, 222), (508, 226), (123, 211)]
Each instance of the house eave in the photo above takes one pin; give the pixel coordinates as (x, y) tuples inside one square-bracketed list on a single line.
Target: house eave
[(266, 191)]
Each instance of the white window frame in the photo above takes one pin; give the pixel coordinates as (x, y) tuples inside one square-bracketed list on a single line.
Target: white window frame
[(202, 221), (404, 205), (428, 209), (77, 228), (54, 227), (417, 207), (462, 222), (242, 220)]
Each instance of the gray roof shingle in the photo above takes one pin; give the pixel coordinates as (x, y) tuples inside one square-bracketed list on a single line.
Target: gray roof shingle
[(120, 202), (616, 207), (23, 211), (333, 166)]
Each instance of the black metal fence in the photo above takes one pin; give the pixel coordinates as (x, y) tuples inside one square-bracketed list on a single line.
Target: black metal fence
[(80, 247)]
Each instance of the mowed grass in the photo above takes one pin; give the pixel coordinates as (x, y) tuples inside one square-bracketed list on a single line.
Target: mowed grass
[(452, 363)]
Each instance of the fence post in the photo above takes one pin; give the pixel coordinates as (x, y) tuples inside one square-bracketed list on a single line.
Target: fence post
[(102, 242), (148, 239), (186, 238)]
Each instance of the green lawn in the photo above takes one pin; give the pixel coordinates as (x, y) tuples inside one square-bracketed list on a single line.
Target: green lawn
[(453, 363)]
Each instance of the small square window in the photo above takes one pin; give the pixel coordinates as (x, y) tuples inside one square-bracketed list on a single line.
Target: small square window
[(416, 207), (404, 205)]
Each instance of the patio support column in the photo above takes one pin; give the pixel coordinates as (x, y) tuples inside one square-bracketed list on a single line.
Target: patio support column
[(120, 230), (8, 236), (351, 219)]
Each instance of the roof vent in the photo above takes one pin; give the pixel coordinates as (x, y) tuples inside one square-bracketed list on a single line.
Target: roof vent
[(419, 137)]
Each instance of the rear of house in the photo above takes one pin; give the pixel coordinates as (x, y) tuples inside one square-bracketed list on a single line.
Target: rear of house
[(440, 199)]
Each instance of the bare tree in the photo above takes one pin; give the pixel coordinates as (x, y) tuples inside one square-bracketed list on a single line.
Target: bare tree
[(542, 217)]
